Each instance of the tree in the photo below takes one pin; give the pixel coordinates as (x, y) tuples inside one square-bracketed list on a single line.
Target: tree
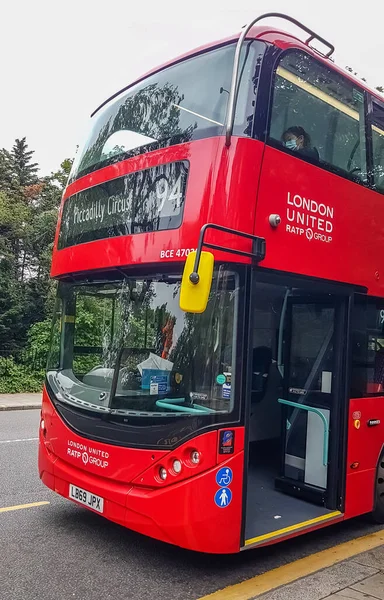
[(24, 171), (13, 217), (28, 217), (61, 176), (44, 201), (11, 306), (5, 171)]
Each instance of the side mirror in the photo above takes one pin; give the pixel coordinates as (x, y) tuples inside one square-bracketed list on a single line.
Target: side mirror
[(195, 287)]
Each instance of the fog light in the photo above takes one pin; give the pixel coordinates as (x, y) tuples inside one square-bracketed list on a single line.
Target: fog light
[(176, 466), (42, 424), (163, 473), (195, 457)]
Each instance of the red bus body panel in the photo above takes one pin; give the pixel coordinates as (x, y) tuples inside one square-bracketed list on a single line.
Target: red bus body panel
[(350, 251), (180, 511), (365, 444)]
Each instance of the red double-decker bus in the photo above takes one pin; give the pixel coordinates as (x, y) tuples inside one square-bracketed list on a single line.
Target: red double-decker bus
[(241, 403)]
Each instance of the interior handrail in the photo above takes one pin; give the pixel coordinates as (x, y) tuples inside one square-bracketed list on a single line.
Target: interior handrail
[(168, 404), (317, 412)]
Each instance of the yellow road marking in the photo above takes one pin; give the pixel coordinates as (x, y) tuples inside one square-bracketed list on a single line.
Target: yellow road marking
[(300, 568), (21, 506), (273, 534)]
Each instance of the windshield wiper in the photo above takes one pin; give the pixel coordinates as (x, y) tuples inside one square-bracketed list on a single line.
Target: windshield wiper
[(197, 114)]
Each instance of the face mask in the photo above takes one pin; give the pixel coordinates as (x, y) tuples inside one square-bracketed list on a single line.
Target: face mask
[(291, 144)]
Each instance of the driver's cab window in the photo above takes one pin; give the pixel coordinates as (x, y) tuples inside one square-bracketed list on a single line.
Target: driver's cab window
[(318, 115)]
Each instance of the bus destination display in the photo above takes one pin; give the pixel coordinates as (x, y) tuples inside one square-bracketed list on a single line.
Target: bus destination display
[(148, 200)]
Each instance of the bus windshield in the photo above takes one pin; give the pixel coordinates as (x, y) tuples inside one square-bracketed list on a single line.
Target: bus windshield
[(125, 347), (183, 102)]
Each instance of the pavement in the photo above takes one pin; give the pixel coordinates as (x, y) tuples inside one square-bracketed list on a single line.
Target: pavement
[(20, 401), (359, 578)]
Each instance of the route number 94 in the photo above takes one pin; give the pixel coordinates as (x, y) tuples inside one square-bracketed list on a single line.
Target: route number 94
[(165, 192)]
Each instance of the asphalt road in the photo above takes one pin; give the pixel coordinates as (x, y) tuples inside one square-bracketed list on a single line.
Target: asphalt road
[(61, 551)]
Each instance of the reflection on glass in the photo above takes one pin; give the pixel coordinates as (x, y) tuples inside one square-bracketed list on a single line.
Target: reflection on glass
[(180, 103), (123, 141), (126, 346), (378, 147), (367, 347), (327, 106)]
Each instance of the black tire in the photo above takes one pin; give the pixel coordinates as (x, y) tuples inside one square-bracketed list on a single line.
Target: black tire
[(378, 512)]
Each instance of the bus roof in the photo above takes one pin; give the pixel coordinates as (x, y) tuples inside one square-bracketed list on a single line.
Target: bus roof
[(271, 35)]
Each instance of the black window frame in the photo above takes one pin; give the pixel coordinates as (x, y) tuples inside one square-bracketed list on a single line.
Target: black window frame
[(371, 102), (362, 300), (318, 163)]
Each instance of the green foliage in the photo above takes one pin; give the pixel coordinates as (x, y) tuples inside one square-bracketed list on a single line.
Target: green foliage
[(28, 216), (90, 313), (39, 336), (11, 305), (16, 378), (24, 171), (5, 171)]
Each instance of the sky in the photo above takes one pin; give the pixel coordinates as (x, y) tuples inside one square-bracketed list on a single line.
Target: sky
[(60, 60)]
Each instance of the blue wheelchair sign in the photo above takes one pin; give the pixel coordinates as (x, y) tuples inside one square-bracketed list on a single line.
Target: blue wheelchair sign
[(223, 497), (224, 477)]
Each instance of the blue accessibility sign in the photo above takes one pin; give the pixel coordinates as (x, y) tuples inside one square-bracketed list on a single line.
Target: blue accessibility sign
[(223, 497), (224, 477)]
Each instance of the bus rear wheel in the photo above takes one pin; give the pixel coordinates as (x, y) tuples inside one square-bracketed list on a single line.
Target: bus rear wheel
[(378, 512)]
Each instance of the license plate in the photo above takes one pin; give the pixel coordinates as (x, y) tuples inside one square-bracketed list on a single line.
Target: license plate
[(83, 497)]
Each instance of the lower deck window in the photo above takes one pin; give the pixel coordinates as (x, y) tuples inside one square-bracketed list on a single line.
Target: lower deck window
[(368, 347)]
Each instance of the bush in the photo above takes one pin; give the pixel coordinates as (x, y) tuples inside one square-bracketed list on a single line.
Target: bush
[(39, 336), (16, 378)]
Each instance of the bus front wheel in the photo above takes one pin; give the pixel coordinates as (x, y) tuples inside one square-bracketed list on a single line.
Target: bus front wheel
[(378, 512)]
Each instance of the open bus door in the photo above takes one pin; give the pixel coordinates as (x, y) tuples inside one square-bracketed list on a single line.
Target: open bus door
[(296, 441), (311, 384)]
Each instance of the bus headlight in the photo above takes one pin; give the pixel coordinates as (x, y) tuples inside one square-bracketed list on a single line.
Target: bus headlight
[(195, 457), (176, 466), (42, 427), (163, 473)]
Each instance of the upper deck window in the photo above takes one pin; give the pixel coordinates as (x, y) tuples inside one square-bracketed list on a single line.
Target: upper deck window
[(184, 102), (378, 147), (319, 115)]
